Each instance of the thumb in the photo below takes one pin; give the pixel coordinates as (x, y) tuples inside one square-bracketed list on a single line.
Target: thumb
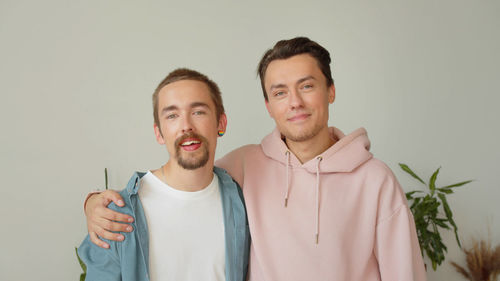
[(113, 196)]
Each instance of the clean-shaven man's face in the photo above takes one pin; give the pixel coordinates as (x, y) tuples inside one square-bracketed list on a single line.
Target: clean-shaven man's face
[(298, 97), (188, 123)]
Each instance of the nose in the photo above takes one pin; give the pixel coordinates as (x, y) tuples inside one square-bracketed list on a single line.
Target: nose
[(187, 124), (295, 99)]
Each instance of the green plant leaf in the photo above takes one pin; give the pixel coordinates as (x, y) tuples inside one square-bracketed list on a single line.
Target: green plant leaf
[(457, 184), (432, 180), (429, 217), (449, 216), (445, 190), (106, 177), (82, 264), (409, 195), (410, 172), (442, 223), (415, 203), (435, 248)]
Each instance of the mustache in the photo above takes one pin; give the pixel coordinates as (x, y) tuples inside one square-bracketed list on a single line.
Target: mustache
[(190, 135)]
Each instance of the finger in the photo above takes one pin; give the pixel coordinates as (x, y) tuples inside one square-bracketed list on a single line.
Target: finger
[(115, 216), (113, 226), (110, 235), (113, 196), (97, 241)]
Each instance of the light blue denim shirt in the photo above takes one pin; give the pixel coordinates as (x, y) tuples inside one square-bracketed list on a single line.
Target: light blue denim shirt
[(129, 260)]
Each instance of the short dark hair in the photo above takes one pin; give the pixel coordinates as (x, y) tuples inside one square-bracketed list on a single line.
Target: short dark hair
[(285, 49), (189, 74)]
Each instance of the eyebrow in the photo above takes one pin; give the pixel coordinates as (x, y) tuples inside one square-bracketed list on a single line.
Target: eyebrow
[(199, 104), (192, 105), (310, 77), (276, 86)]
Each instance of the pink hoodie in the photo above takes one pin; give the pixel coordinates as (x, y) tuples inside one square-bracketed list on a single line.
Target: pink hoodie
[(339, 216)]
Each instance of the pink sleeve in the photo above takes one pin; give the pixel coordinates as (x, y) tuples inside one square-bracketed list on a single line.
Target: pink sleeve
[(397, 248), (233, 163), (396, 242)]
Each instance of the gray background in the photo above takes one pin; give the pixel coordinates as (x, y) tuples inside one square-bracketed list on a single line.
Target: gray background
[(76, 79)]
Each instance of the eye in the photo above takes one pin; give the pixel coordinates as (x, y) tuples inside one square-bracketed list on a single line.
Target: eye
[(171, 116), (307, 86), (278, 94), (199, 112)]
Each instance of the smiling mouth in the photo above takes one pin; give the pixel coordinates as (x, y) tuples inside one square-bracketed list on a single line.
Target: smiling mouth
[(190, 144), (299, 117)]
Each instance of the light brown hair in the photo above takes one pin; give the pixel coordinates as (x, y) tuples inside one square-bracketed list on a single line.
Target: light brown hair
[(189, 74)]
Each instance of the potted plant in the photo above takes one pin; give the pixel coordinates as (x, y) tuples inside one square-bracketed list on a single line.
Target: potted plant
[(432, 214)]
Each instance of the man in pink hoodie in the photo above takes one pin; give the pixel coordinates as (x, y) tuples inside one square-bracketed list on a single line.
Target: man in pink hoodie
[(319, 205)]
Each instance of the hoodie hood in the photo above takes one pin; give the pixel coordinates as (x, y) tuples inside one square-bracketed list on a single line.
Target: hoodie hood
[(348, 152)]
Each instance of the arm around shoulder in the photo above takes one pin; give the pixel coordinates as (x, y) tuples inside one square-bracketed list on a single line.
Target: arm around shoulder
[(234, 162)]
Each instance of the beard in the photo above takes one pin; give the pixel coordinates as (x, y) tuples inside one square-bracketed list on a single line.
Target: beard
[(303, 135), (193, 160)]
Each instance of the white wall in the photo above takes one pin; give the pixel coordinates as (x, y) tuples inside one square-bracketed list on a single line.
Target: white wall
[(77, 76)]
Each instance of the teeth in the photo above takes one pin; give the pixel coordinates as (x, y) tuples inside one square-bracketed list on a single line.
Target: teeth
[(189, 143)]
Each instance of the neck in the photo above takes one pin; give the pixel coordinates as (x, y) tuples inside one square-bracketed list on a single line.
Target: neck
[(183, 179), (308, 149)]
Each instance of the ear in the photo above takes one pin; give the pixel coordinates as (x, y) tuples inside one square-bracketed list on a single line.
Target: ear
[(222, 122), (331, 94), (159, 137)]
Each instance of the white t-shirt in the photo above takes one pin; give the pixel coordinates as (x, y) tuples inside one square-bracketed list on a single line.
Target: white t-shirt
[(186, 231)]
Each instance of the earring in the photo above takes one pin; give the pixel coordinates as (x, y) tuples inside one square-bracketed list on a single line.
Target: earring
[(220, 133)]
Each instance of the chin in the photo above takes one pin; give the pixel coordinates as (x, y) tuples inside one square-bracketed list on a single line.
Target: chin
[(301, 135)]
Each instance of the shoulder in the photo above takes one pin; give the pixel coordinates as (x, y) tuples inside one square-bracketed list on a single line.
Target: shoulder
[(225, 180), (228, 186), (222, 174), (377, 167), (376, 171), (127, 209), (127, 193), (131, 189), (390, 195), (379, 179)]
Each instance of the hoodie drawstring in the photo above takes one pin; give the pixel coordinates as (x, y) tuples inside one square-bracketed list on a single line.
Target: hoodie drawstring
[(319, 158), (287, 153)]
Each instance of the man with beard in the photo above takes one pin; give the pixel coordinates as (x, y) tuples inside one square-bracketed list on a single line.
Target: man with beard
[(190, 220), (320, 206)]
